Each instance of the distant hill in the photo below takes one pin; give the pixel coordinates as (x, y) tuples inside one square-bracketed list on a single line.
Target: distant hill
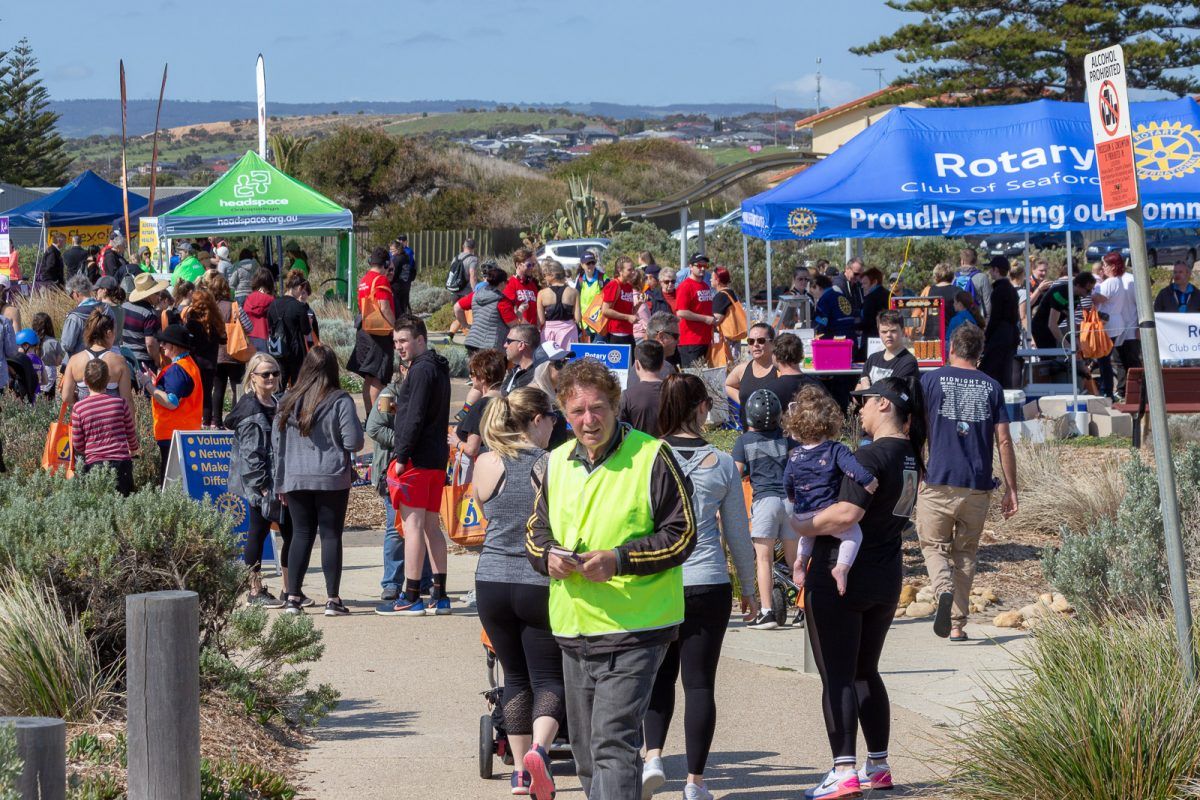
[(82, 118)]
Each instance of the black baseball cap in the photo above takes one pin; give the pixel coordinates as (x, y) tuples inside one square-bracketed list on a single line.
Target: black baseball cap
[(699, 258), (587, 256), (899, 398)]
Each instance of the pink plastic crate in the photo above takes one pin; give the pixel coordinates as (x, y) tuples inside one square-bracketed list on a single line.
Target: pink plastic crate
[(832, 353)]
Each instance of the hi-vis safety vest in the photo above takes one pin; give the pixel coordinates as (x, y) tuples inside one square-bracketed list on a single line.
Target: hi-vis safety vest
[(189, 414), (601, 510)]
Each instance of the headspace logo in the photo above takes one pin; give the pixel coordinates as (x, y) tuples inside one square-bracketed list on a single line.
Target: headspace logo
[(248, 188)]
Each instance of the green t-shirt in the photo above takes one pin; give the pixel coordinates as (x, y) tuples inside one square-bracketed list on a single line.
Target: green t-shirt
[(300, 264), (188, 270)]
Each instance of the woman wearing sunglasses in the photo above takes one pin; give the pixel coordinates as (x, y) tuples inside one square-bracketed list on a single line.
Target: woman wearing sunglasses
[(250, 468)]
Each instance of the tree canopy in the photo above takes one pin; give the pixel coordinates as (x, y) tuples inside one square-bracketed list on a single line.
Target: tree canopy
[(966, 52), (31, 151)]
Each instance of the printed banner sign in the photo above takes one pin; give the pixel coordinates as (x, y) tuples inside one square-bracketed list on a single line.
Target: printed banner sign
[(148, 237), (8, 255), (616, 357), (1178, 339), (88, 234), (199, 461)]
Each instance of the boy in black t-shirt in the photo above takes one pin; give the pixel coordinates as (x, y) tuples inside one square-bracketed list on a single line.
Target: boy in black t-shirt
[(894, 361)]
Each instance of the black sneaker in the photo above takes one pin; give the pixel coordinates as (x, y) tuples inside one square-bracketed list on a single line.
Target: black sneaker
[(306, 601), (799, 621), (765, 621), (261, 598), (336, 608), (941, 620), (292, 607)]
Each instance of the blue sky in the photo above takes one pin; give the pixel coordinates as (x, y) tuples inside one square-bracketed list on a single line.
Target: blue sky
[(625, 51)]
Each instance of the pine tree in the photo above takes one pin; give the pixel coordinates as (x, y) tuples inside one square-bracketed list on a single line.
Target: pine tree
[(31, 151), (967, 52)]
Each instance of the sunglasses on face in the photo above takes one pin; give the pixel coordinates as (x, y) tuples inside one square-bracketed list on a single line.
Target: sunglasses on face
[(514, 341), (668, 281), (558, 365), (268, 374), (754, 340)]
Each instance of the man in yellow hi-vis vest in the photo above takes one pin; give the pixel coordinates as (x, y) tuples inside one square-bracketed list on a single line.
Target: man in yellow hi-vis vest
[(612, 525)]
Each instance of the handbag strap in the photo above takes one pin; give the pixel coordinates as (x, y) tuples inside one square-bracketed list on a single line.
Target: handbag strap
[(62, 412)]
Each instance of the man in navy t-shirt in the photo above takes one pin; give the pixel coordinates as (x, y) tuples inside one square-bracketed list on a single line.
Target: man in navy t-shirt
[(965, 412)]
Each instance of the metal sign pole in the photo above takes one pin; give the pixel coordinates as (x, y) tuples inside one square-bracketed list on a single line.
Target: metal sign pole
[(1164, 465), (1078, 418)]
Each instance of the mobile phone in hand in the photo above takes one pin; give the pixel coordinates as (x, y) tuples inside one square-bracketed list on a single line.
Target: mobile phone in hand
[(568, 555)]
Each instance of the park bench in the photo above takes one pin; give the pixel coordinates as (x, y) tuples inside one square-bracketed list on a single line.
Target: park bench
[(1181, 386)]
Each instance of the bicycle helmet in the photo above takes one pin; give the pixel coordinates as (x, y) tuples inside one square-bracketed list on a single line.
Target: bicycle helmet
[(27, 336), (763, 410)]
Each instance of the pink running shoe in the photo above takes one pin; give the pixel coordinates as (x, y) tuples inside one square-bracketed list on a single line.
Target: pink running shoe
[(877, 777), (537, 766), (836, 785)]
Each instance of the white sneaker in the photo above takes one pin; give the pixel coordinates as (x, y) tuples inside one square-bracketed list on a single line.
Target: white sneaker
[(653, 777), (692, 791)]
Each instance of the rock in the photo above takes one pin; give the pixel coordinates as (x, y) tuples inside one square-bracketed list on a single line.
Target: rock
[(1031, 623), (1062, 605), (976, 591), (907, 594), (1046, 599), (990, 596), (925, 594), (918, 609), (981, 601), (899, 612), (1007, 619), (1032, 611)]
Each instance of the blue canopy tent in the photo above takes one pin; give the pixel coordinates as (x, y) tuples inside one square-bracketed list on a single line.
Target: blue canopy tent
[(993, 169), (87, 200), (161, 206)]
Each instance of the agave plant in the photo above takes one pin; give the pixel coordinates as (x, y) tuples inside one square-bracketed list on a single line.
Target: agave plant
[(288, 150)]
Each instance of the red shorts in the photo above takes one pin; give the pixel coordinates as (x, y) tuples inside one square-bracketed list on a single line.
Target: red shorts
[(415, 487)]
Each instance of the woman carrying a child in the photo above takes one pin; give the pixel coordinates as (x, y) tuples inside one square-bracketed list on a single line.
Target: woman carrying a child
[(849, 618)]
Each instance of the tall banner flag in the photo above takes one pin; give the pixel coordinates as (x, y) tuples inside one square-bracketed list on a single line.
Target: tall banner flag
[(124, 171), (154, 149), (262, 108)]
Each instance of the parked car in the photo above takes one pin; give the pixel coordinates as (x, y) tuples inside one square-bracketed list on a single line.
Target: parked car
[(568, 251), (1013, 244), (710, 225), (1162, 246)]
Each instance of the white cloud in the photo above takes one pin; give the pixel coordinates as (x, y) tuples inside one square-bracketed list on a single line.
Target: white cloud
[(803, 90), (73, 72)]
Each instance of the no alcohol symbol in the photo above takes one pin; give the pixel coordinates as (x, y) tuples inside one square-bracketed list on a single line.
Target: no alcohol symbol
[(1110, 111)]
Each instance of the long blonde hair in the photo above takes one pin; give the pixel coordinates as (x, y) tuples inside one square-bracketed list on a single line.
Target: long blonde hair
[(508, 418), (252, 365)]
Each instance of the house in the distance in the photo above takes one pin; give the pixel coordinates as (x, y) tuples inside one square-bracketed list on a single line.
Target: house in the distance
[(835, 126)]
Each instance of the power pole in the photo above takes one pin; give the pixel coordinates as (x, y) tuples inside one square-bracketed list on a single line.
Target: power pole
[(818, 111), (878, 75)]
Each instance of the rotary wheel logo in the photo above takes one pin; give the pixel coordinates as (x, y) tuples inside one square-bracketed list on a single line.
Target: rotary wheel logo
[(802, 222), (614, 357), (232, 505), (1165, 150)]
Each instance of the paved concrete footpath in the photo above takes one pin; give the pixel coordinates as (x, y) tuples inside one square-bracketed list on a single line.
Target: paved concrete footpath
[(408, 721)]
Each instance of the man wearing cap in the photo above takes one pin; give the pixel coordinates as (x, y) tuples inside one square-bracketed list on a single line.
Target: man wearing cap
[(966, 419), (80, 290), (189, 268), (1002, 333), (693, 306), (142, 318), (404, 272), (51, 266), (177, 399)]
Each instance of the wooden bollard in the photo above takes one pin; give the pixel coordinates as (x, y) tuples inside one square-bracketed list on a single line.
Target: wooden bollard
[(42, 747), (162, 644)]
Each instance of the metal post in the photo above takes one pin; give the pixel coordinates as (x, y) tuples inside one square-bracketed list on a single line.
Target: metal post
[(746, 268), (42, 748), (1027, 331), (700, 222), (849, 249), (683, 223), (769, 279), (1080, 420), (1156, 405), (162, 647)]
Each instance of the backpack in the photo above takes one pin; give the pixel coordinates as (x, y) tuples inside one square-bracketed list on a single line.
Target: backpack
[(964, 281), (1093, 341), (456, 279)]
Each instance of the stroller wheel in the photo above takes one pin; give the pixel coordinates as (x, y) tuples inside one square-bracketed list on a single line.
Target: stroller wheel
[(487, 746), (779, 606)]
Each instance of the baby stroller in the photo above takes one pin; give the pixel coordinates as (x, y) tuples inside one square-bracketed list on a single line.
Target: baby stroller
[(784, 592), (493, 739)]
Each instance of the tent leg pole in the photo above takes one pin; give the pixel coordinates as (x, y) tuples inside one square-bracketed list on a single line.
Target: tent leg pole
[(1027, 332), (769, 279), (746, 267), (683, 223), (1080, 420)]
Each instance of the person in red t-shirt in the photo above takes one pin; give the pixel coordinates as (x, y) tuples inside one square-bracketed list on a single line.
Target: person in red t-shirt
[(617, 305), (374, 355), (694, 307), (519, 304)]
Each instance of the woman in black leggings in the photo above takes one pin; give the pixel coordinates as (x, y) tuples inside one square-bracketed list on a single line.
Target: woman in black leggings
[(250, 469), (707, 596), (513, 600), (315, 436), (848, 630)]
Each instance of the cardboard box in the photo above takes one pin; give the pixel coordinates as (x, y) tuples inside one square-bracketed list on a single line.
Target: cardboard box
[(1113, 424)]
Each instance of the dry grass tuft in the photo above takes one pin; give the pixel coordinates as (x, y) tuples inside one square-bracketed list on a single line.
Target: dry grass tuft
[(1063, 486)]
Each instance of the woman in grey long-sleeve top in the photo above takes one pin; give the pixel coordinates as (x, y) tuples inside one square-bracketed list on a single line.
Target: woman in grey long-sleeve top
[(314, 438), (707, 595)]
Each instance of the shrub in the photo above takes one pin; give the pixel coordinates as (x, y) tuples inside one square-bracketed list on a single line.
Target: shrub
[(10, 764), (94, 547), (1117, 565), (441, 319), (47, 667), (229, 779), (1087, 490), (640, 171), (426, 299), (457, 356), (261, 666), (1102, 710), (642, 236)]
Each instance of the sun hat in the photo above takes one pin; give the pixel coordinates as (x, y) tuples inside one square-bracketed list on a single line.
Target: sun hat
[(146, 285)]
